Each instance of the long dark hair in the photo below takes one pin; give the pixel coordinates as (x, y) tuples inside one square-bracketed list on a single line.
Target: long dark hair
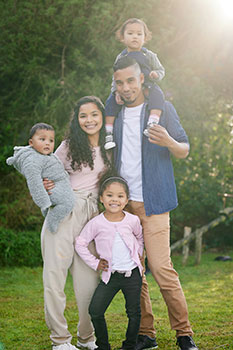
[(80, 151)]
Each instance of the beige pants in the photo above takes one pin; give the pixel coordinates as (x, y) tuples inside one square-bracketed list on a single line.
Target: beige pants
[(156, 232), (59, 256)]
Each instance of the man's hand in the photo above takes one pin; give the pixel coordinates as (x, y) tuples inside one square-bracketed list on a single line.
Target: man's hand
[(159, 136), (103, 265), (48, 185)]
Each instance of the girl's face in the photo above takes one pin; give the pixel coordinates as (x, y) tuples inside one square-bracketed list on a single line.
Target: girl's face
[(114, 198), (134, 36), (90, 119)]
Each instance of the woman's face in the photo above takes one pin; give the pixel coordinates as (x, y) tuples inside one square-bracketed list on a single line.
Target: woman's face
[(90, 120)]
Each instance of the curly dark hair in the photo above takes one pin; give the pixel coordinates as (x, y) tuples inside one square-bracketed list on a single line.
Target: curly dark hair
[(80, 151)]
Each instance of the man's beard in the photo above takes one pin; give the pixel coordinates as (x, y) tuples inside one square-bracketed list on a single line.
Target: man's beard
[(128, 102)]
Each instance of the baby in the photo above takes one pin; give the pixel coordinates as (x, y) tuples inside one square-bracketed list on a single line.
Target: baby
[(36, 162)]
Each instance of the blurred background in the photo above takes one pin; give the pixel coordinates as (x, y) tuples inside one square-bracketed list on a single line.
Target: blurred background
[(54, 52)]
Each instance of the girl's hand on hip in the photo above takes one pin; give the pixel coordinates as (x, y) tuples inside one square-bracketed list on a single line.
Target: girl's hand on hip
[(103, 265)]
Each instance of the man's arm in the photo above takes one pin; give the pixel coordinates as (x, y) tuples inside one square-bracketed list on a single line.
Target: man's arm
[(159, 136)]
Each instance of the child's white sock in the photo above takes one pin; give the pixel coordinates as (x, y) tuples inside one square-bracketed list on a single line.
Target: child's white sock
[(153, 119), (109, 128)]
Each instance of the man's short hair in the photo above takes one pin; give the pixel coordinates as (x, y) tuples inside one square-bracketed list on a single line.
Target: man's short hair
[(125, 62)]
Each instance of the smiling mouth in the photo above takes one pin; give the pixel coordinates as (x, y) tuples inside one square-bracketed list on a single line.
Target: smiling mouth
[(91, 126)]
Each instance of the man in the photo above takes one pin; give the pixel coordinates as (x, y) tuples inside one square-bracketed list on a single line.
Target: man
[(145, 164)]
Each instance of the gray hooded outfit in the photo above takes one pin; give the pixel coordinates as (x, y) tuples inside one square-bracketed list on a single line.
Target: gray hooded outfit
[(35, 166)]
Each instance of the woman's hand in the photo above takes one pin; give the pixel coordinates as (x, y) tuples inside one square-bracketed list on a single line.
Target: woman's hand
[(48, 185), (103, 265)]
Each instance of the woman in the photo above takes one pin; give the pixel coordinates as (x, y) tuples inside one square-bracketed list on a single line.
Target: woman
[(84, 158)]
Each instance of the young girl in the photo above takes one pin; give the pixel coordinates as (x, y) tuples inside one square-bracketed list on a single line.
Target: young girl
[(84, 158), (119, 243), (133, 34)]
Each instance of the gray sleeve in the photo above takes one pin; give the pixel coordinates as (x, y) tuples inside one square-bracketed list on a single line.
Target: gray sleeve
[(32, 170), (155, 64)]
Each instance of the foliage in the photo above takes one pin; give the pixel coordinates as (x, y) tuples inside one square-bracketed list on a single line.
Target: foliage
[(54, 52), (18, 211), (207, 287), (19, 249)]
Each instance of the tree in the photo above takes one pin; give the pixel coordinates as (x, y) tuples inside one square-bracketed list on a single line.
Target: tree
[(54, 52)]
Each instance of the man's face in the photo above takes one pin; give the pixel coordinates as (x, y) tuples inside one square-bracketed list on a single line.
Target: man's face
[(129, 86)]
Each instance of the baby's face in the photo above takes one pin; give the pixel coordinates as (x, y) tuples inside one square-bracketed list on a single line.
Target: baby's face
[(43, 141)]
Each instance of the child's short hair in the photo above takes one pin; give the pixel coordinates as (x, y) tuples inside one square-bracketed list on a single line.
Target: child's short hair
[(121, 30), (39, 126), (110, 177)]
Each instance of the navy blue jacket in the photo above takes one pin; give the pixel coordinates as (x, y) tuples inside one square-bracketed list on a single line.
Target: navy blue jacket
[(158, 183)]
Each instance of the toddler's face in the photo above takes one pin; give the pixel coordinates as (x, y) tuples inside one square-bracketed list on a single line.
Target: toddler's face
[(43, 141), (134, 36)]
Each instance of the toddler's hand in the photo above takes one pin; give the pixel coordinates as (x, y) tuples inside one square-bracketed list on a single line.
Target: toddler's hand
[(118, 99), (103, 265), (153, 74)]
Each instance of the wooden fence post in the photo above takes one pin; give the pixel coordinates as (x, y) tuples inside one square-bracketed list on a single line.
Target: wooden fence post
[(187, 231), (198, 247)]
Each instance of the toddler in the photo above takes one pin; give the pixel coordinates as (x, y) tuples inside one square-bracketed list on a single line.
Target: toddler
[(119, 244), (134, 33), (36, 162)]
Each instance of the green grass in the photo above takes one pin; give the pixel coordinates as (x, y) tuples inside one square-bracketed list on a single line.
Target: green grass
[(208, 289)]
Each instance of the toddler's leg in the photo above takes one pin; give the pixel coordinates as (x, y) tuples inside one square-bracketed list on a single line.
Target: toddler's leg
[(156, 104), (111, 111), (109, 143)]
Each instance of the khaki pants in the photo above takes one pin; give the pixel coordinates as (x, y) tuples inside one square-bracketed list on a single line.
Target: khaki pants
[(59, 256), (156, 232)]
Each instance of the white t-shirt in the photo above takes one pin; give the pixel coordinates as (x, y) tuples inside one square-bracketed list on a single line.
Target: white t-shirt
[(131, 164), (121, 258)]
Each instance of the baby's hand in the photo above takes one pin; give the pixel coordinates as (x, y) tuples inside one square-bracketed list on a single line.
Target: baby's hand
[(103, 265), (118, 99), (153, 74)]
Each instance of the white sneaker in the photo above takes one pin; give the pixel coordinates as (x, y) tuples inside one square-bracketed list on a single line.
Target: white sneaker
[(89, 345), (66, 346), (109, 143)]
